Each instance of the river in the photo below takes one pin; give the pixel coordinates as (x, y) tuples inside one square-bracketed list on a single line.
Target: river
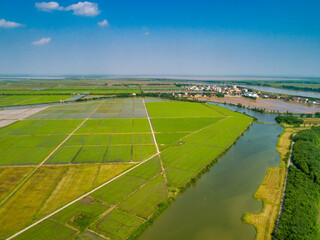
[(285, 91), (212, 208)]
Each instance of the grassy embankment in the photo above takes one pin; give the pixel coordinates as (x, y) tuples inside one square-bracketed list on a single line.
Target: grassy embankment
[(271, 190)]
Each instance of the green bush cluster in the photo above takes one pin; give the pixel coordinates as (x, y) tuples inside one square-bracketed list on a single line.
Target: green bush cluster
[(289, 119), (299, 218)]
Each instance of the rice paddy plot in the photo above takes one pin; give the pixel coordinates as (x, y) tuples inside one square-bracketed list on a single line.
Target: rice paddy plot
[(166, 139), (141, 152), (180, 109), (40, 127), (21, 207), (19, 100), (87, 235), (118, 134), (106, 126), (87, 205), (123, 186), (68, 111), (17, 150), (144, 202), (182, 124), (224, 111), (117, 224), (10, 178), (48, 229)]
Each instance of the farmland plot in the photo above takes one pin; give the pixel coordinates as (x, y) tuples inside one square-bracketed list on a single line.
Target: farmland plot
[(98, 141)]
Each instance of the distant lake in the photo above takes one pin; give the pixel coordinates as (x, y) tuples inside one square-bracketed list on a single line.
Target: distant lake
[(284, 91)]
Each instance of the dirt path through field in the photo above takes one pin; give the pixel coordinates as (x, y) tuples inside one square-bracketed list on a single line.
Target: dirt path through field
[(285, 184), (39, 165), (155, 142), (108, 182)]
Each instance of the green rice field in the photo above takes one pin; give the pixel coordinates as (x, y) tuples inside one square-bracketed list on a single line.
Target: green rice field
[(18, 100), (101, 159)]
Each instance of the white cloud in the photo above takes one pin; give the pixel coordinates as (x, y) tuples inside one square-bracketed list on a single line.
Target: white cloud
[(48, 6), (146, 33), (87, 9), (103, 23), (7, 24), (42, 41)]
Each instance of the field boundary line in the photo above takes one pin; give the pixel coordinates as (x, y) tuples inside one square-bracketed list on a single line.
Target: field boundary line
[(221, 153), (51, 192), (79, 198), (39, 165), (201, 129), (67, 138), (206, 104), (17, 104), (155, 142), (19, 186)]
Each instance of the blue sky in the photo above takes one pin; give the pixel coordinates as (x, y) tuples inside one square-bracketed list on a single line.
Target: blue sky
[(225, 37)]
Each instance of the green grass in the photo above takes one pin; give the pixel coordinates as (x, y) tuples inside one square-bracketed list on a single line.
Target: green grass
[(117, 224)]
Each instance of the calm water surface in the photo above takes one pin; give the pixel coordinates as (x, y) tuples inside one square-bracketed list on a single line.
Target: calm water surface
[(213, 207), (285, 91)]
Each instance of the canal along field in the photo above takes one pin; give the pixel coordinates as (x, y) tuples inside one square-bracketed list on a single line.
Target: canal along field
[(105, 168)]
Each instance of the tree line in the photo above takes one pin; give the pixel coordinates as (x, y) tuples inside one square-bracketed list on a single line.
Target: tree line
[(300, 214)]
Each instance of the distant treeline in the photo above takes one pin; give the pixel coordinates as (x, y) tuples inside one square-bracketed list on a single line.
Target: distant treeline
[(289, 119), (299, 218), (301, 88)]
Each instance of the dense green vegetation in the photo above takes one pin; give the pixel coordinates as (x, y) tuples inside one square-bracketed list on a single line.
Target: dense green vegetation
[(306, 153), (299, 218), (289, 119)]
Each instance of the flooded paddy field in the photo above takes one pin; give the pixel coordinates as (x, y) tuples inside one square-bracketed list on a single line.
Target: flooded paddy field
[(269, 104)]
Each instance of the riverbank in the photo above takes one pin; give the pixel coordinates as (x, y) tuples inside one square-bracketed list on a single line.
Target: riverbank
[(271, 191), (174, 192)]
